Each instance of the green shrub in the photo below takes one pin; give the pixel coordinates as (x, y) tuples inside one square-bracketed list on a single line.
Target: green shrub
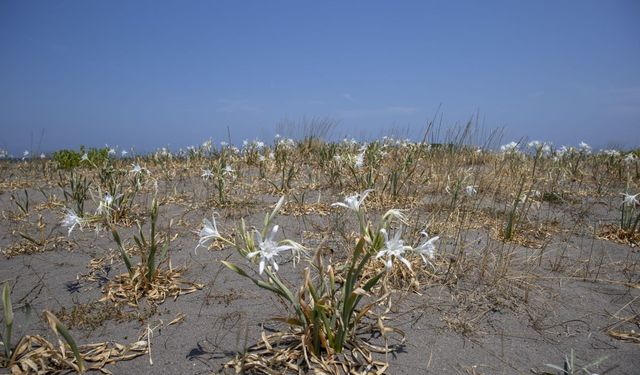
[(96, 156), (69, 159)]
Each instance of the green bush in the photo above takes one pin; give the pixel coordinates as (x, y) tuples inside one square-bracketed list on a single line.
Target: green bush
[(96, 156), (69, 159)]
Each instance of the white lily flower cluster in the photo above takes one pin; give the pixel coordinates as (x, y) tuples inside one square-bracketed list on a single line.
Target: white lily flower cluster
[(630, 200), (584, 148), (162, 153), (228, 170), (510, 148), (208, 233), (541, 148), (71, 220), (206, 145), (268, 248), (358, 160), (255, 145), (611, 153), (137, 169), (353, 202), (568, 151), (395, 248), (470, 190), (206, 174), (285, 143), (106, 203)]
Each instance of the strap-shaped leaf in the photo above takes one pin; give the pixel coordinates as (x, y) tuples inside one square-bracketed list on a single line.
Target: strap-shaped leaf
[(123, 254), (60, 329)]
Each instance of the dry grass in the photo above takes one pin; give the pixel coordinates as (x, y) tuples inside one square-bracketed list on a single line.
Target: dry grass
[(503, 243)]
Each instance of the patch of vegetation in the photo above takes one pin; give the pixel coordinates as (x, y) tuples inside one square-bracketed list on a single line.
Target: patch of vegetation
[(70, 159)]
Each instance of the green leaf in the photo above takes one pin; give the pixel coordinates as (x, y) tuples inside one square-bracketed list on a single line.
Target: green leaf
[(59, 328), (235, 268), (123, 254), (8, 319), (6, 305)]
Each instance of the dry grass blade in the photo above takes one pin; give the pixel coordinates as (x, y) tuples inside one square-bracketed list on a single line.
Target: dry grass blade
[(631, 336), (36, 355), (286, 353), (130, 289), (31, 246), (618, 235)]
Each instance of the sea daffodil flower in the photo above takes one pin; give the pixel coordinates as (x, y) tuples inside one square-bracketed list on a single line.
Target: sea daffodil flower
[(136, 168), (268, 249), (71, 219), (393, 248), (629, 199), (206, 174), (353, 202), (208, 232), (427, 248)]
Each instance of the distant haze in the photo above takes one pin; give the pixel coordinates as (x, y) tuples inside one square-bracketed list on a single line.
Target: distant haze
[(146, 74)]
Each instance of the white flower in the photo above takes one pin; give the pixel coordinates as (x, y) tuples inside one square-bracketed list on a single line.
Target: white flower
[(71, 219), (42, 156), (359, 162), (269, 248), (534, 144), (612, 153), (630, 158), (108, 199), (261, 158), (353, 202), (228, 170), (470, 190), (427, 248), (136, 168), (394, 248), (396, 214), (85, 157), (629, 199), (584, 147), (206, 174), (25, 153), (105, 203), (509, 147), (112, 151), (208, 232)]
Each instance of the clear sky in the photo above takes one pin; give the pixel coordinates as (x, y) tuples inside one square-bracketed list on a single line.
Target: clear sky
[(156, 73)]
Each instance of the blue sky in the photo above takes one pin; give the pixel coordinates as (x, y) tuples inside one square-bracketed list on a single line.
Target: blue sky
[(148, 74)]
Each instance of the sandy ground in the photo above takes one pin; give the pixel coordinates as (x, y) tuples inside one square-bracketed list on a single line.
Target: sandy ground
[(495, 308)]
